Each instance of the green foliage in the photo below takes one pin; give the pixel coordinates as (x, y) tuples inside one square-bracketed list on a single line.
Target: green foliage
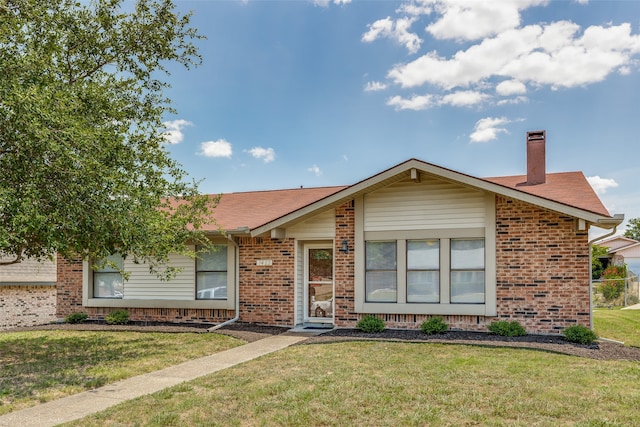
[(370, 324), (633, 229), (507, 329), (76, 317), (85, 169), (117, 317), (613, 282), (434, 325), (596, 265), (579, 334)]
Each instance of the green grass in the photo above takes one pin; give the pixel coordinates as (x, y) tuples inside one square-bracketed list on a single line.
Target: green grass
[(39, 366), (396, 384), (616, 324)]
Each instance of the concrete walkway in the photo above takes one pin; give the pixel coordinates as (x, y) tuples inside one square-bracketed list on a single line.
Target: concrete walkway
[(80, 405)]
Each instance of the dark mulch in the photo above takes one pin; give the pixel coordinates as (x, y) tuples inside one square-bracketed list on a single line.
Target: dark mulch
[(602, 350)]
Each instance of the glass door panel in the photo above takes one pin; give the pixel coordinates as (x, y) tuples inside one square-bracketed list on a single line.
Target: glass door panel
[(320, 283)]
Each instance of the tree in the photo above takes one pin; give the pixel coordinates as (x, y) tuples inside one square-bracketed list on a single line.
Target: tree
[(597, 268), (633, 229), (84, 168)]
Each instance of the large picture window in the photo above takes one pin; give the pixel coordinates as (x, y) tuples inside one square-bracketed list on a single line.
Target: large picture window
[(107, 278), (423, 270), (211, 273), (381, 268), (467, 271)]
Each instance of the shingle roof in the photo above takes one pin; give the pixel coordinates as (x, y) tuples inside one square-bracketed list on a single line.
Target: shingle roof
[(569, 188), (255, 208)]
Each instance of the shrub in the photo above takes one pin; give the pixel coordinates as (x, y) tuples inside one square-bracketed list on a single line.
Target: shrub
[(579, 334), (507, 329), (76, 318), (370, 324), (118, 317), (613, 282), (434, 325)]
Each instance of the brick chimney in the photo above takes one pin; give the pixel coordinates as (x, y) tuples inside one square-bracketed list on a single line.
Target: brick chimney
[(536, 157)]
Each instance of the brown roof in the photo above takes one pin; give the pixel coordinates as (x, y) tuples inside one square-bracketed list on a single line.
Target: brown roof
[(255, 208), (569, 188)]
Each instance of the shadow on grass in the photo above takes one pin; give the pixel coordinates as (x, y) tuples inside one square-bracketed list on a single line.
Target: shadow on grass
[(37, 363)]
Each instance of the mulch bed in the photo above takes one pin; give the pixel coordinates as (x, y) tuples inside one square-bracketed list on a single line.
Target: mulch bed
[(601, 350)]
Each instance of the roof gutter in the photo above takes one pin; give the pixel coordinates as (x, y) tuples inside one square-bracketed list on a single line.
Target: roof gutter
[(615, 221)]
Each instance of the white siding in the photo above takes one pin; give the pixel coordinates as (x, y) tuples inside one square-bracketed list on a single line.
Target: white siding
[(321, 226), (28, 271), (143, 285), (429, 204)]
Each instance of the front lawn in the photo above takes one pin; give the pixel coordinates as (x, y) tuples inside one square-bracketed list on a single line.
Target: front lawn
[(393, 384), (616, 324), (39, 366)]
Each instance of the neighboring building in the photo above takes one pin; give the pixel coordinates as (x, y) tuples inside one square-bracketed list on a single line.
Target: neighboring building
[(27, 294), (411, 242), (623, 250)]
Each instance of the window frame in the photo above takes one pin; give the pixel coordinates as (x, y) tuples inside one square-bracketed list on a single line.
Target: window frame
[(107, 270), (224, 247), (445, 307)]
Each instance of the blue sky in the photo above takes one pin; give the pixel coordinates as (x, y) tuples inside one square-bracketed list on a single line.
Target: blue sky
[(320, 93)]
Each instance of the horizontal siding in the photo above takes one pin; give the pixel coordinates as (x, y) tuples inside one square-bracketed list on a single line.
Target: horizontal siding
[(28, 271), (321, 226), (430, 204), (145, 285)]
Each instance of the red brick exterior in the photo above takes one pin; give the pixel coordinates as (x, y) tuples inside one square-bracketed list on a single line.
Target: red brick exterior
[(344, 267), (543, 268), (267, 292), (542, 274)]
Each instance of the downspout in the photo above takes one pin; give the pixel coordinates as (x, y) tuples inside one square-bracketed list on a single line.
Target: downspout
[(591, 242), (236, 272)]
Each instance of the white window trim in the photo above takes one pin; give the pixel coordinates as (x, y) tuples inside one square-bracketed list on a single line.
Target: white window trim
[(216, 304), (445, 307)]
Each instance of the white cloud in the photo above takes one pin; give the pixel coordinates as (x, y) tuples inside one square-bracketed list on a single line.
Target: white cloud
[(511, 87), (395, 30), (268, 155), (174, 134), (513, 101), (315, 170), (415, 103), (498, 52), (463, 98), (487, 129), (325, 3), (474, 20), (601, 185), (219, 148), (374, 86)]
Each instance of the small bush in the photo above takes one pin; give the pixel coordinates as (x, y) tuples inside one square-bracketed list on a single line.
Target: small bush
[(579, 334), (370, 324), (434, 325), (76, 318), (507, 329), (118, 317)]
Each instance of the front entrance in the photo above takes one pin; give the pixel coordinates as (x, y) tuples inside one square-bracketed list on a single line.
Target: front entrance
[(318, 284)]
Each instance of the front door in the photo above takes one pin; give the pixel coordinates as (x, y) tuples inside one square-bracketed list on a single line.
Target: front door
[(318, 283)]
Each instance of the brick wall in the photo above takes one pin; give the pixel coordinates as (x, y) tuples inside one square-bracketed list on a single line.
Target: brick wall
[(344, 266), (542, 273), (267, 292), (27, 305), (542, 268)]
